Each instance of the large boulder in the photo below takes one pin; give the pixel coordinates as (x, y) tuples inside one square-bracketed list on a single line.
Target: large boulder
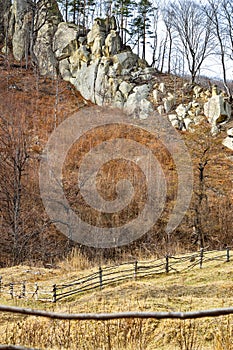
[(65, 40), (85, 80), (126, 60)]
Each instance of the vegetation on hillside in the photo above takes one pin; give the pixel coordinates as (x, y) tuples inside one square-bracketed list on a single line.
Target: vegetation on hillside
[(31, 107)]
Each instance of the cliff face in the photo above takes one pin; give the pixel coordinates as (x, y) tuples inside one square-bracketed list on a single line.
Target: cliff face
[(102, 69)]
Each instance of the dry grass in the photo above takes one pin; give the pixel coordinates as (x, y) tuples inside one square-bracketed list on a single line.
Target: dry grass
[(209, 287)]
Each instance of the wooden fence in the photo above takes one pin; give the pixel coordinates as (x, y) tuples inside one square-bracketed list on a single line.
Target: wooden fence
[(24, 289), (113, 275)]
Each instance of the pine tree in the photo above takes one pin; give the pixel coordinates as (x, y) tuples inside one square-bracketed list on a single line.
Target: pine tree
[(123, 10), (141, 25)]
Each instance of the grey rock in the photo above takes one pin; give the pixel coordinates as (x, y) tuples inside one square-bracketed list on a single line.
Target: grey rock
[(181, 111), (125, 88), (160, 109), (118, 100), (142, 91), (230, 132), (96, 38), (217, 110), (85, 80), (19, 27), (188, 122), (80, 58), (169, 102), (138, 106), (48, 19), (5, 6), (112, 43), (64, 69), (127, 60), (65, 42), (228, 142)]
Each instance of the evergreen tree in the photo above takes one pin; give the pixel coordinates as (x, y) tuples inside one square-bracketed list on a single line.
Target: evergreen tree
[(123, 10), (141, 25)]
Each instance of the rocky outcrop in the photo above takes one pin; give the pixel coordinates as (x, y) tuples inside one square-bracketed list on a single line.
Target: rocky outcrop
[(48, 18), (5, 6), (31, 30), (102, 69), (105, 71), (21, 16)]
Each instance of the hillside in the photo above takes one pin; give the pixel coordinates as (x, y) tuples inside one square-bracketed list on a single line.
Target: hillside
[(171, 191), (31, 108), (196, 289)]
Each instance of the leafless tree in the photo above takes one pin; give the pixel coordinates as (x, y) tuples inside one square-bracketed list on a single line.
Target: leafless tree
[(13, 157), (167, 18), (222, 22), (194, 30)]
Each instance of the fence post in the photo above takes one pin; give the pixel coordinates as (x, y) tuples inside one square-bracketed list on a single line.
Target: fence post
[(135, 269), (228, 254), (12, 290), (23, 289), (36, 291), (201, 257), (167, 264), (0, 284), (101, 277), (54, 293)]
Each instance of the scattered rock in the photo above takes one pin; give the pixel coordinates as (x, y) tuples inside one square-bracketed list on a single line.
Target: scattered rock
[(169, 102), (218, 111), (228, 142)]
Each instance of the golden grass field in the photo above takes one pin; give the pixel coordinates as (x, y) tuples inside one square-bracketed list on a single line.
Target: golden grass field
[(206, 288)]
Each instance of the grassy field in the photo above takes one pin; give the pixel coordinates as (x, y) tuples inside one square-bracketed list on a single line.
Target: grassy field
[(209, 287)]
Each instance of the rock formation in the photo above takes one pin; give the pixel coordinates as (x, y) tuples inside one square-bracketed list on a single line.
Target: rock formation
[(5, 6), (102, 69), (31, 30), (21, 16), (48, 18)]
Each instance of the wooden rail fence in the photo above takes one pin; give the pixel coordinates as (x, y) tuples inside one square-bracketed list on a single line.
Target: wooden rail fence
[(112, 275)]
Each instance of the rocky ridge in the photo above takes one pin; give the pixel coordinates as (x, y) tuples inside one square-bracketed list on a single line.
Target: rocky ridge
[(104, 70)]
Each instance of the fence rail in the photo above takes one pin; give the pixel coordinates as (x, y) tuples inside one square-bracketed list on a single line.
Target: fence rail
[(119, 315), (112, 275)]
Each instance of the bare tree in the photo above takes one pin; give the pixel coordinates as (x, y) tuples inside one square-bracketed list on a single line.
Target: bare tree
[(194, 30), (219, 16), (167, 18), (13, 157)]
